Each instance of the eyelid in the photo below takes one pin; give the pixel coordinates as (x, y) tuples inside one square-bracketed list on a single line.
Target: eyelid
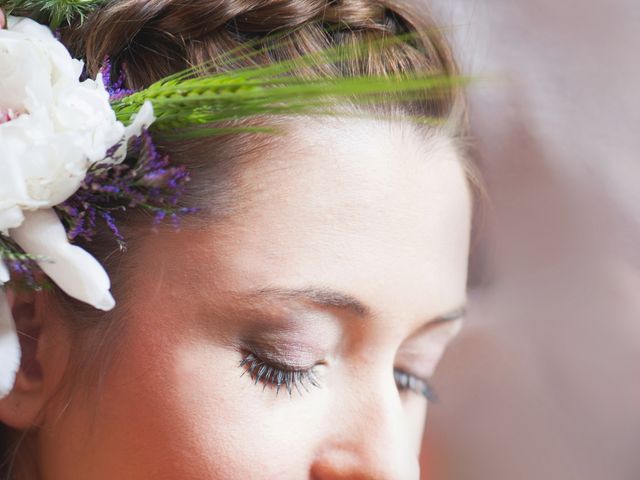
[(284, 363), (422, 352), (285, 354), (451, 327)]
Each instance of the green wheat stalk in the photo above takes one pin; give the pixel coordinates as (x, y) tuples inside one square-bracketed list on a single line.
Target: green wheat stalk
[(190, 99)]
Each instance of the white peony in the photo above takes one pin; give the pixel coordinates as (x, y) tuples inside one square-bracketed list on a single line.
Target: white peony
[(58, 125), (9, 347), (52, 129)]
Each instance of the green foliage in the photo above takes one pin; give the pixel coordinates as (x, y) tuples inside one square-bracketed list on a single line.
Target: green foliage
[(186, 101), (194, 101), (54, 12)]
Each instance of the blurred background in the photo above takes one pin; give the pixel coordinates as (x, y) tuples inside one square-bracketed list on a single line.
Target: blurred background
[(544, 381)]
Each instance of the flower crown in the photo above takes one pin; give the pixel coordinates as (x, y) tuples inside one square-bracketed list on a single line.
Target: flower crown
[(70, 145)]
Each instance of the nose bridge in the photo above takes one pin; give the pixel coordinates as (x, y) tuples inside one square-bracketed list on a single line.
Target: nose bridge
[(368, 439)]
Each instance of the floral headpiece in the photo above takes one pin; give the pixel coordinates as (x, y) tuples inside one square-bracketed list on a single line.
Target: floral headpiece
[(64, 139)]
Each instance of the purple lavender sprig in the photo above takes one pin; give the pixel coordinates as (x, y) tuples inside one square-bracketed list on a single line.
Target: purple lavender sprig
[(116, 89), (20, 263), (145, 180)]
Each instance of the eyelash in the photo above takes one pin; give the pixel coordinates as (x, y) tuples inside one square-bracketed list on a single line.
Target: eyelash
[(278, 377)]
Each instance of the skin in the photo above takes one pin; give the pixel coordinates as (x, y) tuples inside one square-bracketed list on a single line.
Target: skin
[(362, 209)]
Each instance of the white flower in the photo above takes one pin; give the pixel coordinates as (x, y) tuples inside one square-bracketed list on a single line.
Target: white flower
[(75, 271), (60, 126), (53, 128), (9, 347)]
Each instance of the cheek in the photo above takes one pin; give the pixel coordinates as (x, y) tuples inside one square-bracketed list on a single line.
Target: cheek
[(179, 409), (415, 419)]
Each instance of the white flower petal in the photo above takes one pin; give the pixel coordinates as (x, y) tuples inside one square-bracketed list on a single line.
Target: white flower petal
[(9, 347), (142, 119), (5, 276), (73, 269), (10, 218)]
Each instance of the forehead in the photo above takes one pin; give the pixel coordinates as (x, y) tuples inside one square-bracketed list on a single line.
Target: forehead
[(357, 198), (370, 208), (359, 164)]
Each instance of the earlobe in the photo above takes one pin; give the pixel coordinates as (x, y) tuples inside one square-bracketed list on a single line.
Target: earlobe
[(21, 407)]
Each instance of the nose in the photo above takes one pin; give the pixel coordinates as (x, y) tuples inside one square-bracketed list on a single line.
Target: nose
[(367, 439)]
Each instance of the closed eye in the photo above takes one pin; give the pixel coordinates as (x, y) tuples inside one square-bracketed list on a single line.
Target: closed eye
[(408, 382), (277, 376)]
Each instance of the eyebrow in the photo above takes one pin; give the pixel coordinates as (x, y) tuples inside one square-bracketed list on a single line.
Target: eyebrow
[(327, 297)]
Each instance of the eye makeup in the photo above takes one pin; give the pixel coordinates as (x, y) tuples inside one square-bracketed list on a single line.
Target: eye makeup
[(284, 353)]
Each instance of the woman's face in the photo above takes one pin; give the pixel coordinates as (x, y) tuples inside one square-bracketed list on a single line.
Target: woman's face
[(347, 262)]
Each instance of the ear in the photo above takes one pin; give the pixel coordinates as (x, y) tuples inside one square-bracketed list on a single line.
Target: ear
[(44, 355)]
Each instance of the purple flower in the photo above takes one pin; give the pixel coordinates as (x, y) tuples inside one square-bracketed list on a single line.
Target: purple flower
[(116, 89), (145, 180)]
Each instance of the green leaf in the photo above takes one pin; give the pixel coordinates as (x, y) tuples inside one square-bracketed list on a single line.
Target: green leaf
[(54, 12)]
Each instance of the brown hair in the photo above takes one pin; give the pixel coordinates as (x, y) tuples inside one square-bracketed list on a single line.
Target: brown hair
[(154, 38)]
